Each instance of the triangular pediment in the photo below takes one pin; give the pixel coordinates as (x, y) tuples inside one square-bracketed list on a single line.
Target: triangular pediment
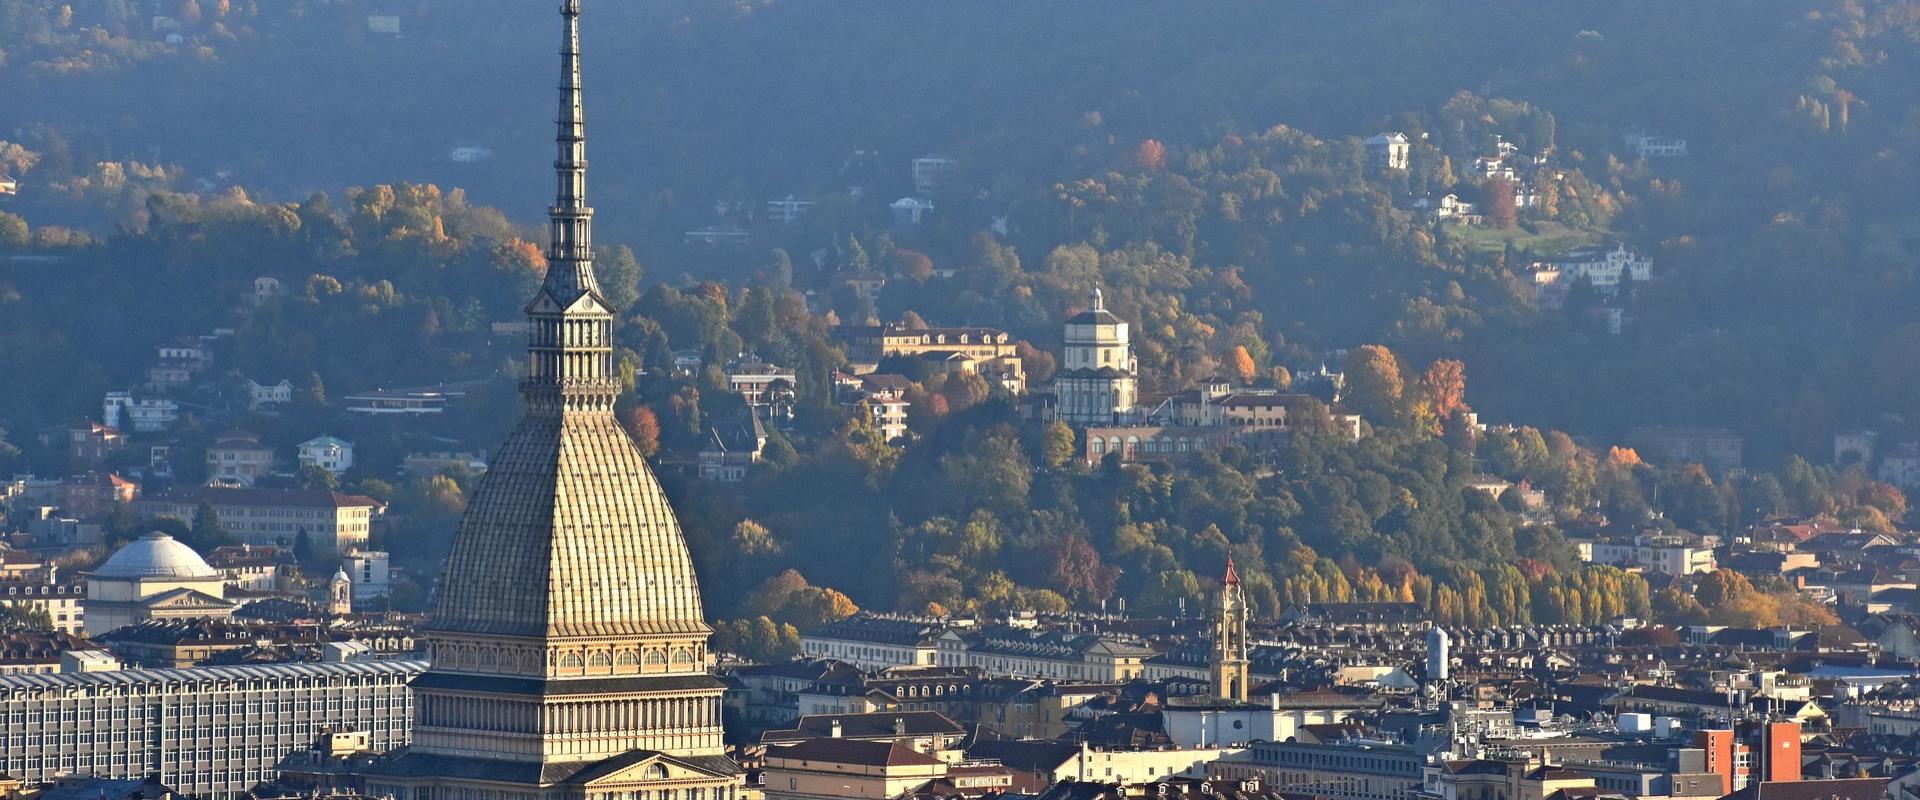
[(185, 598), (646, 768), (588, 303), (543, 303)]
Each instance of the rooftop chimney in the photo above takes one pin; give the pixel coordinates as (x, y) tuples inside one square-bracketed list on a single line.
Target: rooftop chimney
[(899, 726)]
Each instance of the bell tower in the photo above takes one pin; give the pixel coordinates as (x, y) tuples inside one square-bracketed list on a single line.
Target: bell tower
[(1229, 663)]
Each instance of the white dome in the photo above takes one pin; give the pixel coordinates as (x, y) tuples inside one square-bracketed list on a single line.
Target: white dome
[(155, 555)]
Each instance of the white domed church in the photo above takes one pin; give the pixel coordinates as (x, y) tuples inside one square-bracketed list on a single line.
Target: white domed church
[(153, 577)]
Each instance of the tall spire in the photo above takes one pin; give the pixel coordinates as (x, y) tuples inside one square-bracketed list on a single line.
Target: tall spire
[(570, 325), (568, 645), (570, 245)]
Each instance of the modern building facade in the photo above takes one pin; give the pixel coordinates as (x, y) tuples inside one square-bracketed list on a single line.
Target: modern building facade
[(206, 731), (568, 648)]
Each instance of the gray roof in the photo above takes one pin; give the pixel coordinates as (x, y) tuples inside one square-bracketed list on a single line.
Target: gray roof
[(152, 677), (155, 555)]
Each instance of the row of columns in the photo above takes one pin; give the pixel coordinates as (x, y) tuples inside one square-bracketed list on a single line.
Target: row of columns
[(589, 718)]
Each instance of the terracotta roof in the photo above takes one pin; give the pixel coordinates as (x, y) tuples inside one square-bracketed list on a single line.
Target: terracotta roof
[(878, 725), (305, 498), (854, 751), (1845, 789)]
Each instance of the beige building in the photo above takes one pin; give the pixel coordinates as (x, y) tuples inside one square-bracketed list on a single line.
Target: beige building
[(567, 644), (1142, 766), (31, 652), (237, 458), (877, 642), (62, 600), (871, 343), (1056, 654), (152, 578), (927, 732), (1331, 771), (329, 520), (837, 769)]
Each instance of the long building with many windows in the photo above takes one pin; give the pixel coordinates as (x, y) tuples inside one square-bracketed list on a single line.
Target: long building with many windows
[(331, 521), (206, 731)]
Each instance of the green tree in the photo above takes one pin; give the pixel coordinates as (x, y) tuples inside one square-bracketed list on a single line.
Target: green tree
[(1056, 444), (753, 539), (25, 615), (313, 477), (14, 234), (207, 532), (1374, 383), (620, 274)]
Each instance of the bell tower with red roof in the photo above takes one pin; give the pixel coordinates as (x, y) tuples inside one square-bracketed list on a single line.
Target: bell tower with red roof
[(1229, 664)]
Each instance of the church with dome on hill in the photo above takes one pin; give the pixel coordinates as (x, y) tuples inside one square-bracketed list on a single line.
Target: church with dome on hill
[(567, 644), (1099, 382)]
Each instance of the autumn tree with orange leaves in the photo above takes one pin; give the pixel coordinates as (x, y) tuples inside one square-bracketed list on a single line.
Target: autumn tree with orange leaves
[(1151, 155), (644, 427)]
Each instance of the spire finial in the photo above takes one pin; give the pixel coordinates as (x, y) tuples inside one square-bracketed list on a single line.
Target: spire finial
[(570, 245), (1099, 302), (570, 325), (1233, 576)]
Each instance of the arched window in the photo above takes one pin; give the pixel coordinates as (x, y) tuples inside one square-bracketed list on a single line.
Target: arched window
[(682, 657), (627, 658), (599, 660), (570, 661), (656, 657)]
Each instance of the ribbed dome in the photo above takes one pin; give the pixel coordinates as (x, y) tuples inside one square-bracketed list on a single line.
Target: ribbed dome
[(155, 555), (569, 534)]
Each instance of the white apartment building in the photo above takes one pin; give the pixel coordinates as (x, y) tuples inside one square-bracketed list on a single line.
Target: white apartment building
[(330, 453), (1665, 555), (277, 394), (143, 415), (206, 731), (1606, 269), (370, 574)]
